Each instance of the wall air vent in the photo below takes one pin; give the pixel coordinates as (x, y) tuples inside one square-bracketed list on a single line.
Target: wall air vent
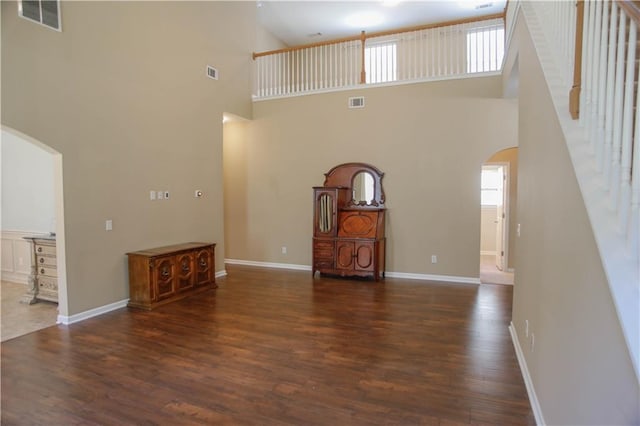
[(483, 6), (212, 72), (356, 102)]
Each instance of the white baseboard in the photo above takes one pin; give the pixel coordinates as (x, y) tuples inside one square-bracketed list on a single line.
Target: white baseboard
[(487, 253), (533, 399), (291, 266), (424, 277), (221, 274), (432, 277), (63, 319)]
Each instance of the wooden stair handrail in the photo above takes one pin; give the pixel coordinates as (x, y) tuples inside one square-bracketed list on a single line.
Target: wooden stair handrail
[(632, 8), (363, 36)]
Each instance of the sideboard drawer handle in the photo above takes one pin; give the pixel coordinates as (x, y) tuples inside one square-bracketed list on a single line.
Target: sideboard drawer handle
[(39, 249), (42, 271), (165, 273), (42, 260), (203, 262)]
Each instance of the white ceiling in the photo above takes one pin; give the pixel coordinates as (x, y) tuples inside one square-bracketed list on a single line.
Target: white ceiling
[(299, 22)]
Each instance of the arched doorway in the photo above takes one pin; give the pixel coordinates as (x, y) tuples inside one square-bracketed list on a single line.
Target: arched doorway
[(498, 208), (32, 203)]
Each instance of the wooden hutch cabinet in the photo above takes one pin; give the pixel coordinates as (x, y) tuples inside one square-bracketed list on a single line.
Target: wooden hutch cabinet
[(348, 222), (164, 274)]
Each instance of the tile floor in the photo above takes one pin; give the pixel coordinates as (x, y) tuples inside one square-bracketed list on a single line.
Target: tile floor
[(490, 274), (17, 319)]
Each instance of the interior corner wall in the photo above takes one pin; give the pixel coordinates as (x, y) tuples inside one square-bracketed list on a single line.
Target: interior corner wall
[(580, 365), (429, 139), (122, 94)]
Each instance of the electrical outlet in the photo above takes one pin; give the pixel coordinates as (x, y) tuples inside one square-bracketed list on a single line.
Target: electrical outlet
[(108, 225), (284, 250), (152, 195), (166, 195), (434, 258), (160, 195)]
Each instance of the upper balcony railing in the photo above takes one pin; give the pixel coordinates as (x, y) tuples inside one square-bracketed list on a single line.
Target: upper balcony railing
[(437, 51)]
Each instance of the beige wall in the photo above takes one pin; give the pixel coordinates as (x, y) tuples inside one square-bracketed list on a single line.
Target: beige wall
[(430, 140), (510, 155), (121, 92), (580, 365)]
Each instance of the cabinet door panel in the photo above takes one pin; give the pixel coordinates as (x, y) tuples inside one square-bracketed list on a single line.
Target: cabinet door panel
[(164, 278), (204, 267), (185, 271), (345, 251), (364, 257), (325, 208)]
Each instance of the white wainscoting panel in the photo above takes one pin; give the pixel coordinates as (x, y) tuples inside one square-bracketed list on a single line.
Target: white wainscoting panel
[(16, 256)]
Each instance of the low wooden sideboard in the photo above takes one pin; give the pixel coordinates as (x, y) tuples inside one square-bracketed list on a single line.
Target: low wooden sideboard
[(164, 274)]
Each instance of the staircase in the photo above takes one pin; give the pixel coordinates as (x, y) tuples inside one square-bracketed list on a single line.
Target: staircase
[(602, 69)]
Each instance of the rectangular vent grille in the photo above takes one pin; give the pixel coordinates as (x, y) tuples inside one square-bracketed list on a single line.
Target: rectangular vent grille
[(356, 102), (212, 72)]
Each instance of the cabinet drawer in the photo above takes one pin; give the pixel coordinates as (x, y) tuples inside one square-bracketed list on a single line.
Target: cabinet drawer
[(49, 271), (47, 250), (323, 249), (358, 224), (323, 264), (46, 261), (48, 283)]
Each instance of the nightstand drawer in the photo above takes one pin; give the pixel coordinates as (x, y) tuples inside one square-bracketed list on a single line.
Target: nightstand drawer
[(47, 271), (46, 250), (48, 283), (46, 261)]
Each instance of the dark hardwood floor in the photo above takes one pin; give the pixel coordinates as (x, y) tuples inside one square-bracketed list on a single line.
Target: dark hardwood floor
[(273, 347)]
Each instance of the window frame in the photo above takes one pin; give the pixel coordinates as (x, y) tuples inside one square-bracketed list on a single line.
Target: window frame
[(489, 63), (385, 68), (41, 21)]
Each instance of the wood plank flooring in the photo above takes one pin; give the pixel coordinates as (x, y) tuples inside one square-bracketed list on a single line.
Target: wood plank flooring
[(273, 347)]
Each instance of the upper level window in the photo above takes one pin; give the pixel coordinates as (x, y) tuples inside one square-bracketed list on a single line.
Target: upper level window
[(491, 185), (45, 12), (485, 49), (380, 63)]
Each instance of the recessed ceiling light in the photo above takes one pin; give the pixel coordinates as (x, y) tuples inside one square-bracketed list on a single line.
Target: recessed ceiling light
[(364, 19), (391, 3)]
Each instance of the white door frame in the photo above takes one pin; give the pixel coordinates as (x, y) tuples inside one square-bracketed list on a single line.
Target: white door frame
[(506, 209)]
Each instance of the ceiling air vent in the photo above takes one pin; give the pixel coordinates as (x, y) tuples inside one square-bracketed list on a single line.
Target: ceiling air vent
[(356, 102), (483, 6), (212, 72)]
